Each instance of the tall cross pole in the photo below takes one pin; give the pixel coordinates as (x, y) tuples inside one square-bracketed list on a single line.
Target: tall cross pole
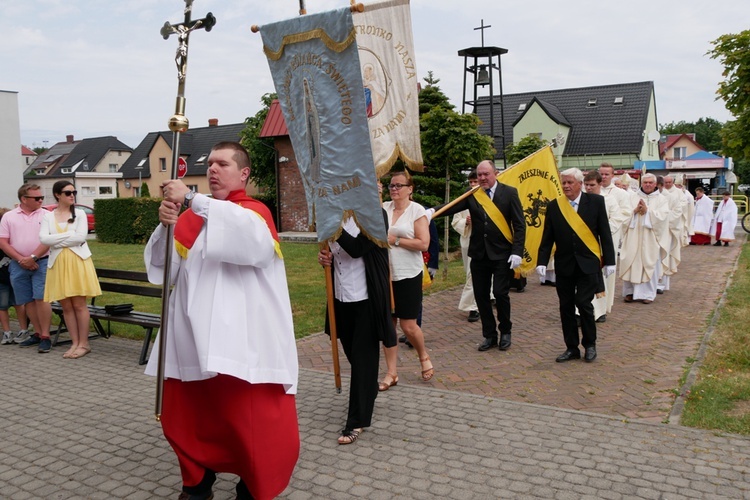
[(178, 124), (482, 27)]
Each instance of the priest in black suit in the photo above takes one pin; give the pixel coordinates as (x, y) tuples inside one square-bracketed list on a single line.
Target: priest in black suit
[(577, 225), (496, 242)]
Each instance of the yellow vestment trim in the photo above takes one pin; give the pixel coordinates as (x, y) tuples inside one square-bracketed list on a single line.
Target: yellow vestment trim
[(310, 35), (494, 213), (579, 227)]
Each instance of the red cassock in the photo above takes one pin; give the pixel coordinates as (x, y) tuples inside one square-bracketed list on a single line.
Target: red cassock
[(228, 425)]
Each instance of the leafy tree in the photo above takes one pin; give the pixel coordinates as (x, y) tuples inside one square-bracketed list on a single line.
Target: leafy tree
[(39, 150), (523, 148), (707, 132), (733, 51), (262, 152)]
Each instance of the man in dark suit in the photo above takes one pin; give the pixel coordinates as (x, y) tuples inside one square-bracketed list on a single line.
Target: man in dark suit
[(580, 231), (494, 256)]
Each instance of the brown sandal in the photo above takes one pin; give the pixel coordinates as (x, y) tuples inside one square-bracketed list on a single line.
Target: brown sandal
[(428, 373), (384, 386), (349, 436)]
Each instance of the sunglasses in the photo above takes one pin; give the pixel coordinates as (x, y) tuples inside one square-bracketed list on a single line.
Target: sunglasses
[(397, 186), (35, 198), (68, 193)]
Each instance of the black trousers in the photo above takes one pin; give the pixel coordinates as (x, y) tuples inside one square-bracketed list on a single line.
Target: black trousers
[(577, 290), (495, 273), (355, 328)]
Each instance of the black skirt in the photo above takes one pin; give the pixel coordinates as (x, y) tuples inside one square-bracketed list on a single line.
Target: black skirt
[(407, 295)]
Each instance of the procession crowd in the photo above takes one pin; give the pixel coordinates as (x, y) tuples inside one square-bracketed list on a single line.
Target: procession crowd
[(230, 367)]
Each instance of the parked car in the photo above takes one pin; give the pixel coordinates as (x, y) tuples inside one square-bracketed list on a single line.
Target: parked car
[(743, 187), (89, 213)]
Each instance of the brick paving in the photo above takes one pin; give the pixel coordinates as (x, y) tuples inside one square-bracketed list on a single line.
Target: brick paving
[(489, 425)]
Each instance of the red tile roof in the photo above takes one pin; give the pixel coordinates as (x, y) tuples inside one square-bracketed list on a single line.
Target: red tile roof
[(26, 151), (274, 126)]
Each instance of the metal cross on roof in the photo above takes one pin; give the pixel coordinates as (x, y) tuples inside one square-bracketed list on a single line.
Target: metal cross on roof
[(482, 27)]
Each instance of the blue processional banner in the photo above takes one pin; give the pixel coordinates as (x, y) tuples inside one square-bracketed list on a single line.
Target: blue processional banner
[(316, 71)]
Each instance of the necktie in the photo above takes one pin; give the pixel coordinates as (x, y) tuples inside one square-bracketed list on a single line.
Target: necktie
[(488, 191), (572, 203)]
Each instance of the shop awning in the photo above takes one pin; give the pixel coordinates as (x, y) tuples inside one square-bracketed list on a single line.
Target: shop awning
[(703, 174)]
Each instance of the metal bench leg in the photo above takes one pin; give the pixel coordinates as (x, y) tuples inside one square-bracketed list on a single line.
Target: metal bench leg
[(144, 350)]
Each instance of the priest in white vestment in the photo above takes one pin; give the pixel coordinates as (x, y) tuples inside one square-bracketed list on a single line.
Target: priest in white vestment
[(677, 207), (230, 356), (617, 213), (703, 215), (643, 248)]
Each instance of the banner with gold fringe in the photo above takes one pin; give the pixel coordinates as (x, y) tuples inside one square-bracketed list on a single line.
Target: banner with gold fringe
[(537, 181), (389, 75), (315, 68)]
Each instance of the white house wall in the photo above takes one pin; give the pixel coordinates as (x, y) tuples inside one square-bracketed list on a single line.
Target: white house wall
[(11, 172)]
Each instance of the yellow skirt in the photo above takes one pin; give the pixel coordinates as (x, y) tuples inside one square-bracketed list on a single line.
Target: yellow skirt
[(71, 276)]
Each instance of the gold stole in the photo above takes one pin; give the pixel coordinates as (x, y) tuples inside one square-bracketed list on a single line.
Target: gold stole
[(494, 213), (579, 227)]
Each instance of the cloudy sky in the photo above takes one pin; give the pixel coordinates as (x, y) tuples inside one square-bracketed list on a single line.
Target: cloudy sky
[(93, 68)]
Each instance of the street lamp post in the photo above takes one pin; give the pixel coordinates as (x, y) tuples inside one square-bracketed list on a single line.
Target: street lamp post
[(140, 181)]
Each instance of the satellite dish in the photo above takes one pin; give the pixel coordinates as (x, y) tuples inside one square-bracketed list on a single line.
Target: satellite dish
[(654, 136)]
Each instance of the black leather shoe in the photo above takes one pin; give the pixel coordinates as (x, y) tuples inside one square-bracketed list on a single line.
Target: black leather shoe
[(659, 291), (402, 339), (602, 319), (717, 244), (521, 289), (488, 343), (473, 316), (504, 341), (590, 354), (568, 355)]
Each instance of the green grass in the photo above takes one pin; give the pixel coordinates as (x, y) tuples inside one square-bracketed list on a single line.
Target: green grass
[(720, 398), (305, 279)]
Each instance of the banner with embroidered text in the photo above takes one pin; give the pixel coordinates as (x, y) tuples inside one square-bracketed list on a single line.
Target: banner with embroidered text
[(315, 68), (389, 75), (537, 181)]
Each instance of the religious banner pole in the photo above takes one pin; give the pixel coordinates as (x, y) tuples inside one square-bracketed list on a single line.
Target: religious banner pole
[(302, 9), (178, 124)]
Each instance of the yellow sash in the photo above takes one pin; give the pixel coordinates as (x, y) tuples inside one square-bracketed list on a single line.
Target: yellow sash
[(494, 213), (579, 227)]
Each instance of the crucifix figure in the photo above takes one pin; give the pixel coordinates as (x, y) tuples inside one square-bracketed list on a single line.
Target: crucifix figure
[(482, 27), (183, 31)]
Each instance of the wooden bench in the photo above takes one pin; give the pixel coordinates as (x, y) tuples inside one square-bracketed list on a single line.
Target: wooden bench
[(115, 280)]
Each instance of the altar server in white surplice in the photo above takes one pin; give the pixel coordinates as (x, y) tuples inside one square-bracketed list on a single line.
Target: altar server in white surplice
[(231, 359)]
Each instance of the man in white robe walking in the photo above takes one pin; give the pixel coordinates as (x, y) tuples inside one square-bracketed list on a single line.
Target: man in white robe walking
[(673, 238), (617, 213), (702, 217), (643, 248), (231, 359)]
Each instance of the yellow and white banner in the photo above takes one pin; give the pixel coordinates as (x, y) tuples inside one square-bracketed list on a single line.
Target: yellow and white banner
[(389, 76), (537, 181)]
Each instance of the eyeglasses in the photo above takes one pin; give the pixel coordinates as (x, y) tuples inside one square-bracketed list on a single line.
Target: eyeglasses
[(397, 186), (68, 193), (35, 198)]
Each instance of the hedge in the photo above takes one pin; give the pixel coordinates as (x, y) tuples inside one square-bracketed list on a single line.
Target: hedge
[(126, 220)]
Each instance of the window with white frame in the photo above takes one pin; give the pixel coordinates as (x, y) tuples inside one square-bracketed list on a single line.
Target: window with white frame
[(88, 190), (162, 164), (679, 153), (105, 189), (113, 167)]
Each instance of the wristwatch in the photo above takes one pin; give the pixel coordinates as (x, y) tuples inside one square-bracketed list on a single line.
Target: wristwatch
[(188, 198), (398, 241), (34, 257)]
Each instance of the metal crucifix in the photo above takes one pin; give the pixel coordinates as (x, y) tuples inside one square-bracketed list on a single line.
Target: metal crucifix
[(178, 124)]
